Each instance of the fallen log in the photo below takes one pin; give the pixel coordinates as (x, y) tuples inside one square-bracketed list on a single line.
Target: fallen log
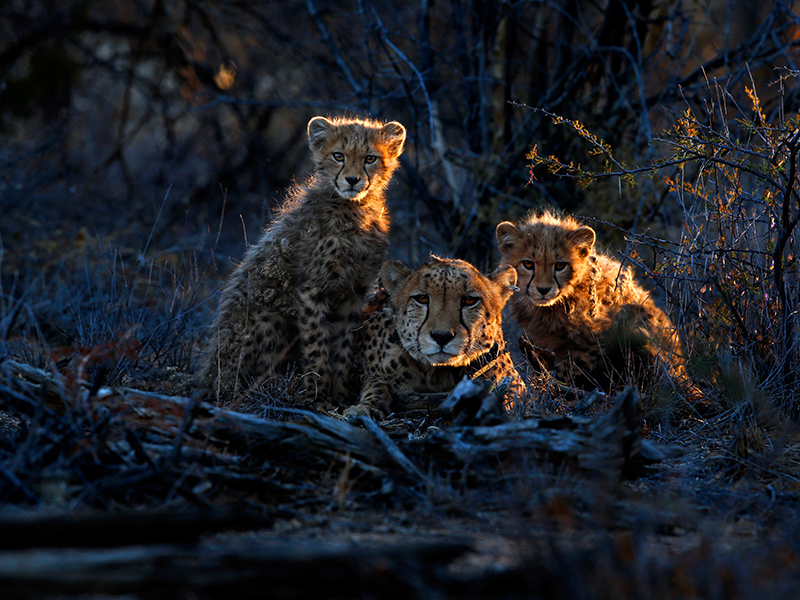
[(108, 530), (132, 446), (610, 444), (283, 569)]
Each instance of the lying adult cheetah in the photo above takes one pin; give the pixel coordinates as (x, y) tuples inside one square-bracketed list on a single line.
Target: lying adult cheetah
[(297, 296), (440, 322), (583, 306)]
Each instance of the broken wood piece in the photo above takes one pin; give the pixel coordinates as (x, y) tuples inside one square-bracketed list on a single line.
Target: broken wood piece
[(283, 568), (610, 444), (36, 382), (390, 447), (475, 402), (106, 530)]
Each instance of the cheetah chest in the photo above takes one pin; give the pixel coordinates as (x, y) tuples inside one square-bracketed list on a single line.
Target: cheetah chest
[(345, 257)]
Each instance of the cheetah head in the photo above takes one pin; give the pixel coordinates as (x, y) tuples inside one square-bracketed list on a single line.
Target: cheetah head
[(550, 253), (447, 312), (355, 157)]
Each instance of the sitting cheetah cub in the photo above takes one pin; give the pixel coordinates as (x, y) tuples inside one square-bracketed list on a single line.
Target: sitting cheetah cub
[(440, 322), (583, 306), (296, 298)]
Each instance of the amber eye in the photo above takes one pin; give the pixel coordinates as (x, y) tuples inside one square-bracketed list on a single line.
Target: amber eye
[(470, 300), (560, 266), (528, 264), (338, 156), (370, 159), (421, 298)]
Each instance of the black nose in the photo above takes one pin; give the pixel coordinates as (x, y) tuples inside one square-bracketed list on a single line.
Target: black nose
[(442, 337), (543, 290), (352, 180)]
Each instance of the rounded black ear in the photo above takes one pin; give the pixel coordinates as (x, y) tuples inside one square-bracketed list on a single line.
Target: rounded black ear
[(508, 236), (393, 274), (318, 130), (583, 238), (394, 135), (505, 277)]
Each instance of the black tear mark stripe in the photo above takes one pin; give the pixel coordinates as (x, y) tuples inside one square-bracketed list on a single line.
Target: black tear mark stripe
[(467, 329), (425, 320), (530, 281), (336, 181), (461, 320), (555, 277), (461, 308)]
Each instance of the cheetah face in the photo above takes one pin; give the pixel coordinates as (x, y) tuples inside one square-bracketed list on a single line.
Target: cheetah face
[(354, 158), (549, 259), (353, 177), (448, 313), (544, 280)]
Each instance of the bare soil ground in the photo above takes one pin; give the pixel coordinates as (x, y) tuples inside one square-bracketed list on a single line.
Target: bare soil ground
[(108, 493)]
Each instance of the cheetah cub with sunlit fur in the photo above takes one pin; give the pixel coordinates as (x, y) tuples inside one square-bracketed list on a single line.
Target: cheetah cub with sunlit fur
[(297, 296), (601, 327), (441, 322)]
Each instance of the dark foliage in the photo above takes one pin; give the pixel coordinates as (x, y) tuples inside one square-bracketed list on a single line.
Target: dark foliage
[(143, 143)]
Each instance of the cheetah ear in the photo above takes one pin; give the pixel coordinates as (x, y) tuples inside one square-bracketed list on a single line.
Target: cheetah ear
[(318, 130), (508, 236), (505, 277), (393, 274), (394, 135), (583, 239)]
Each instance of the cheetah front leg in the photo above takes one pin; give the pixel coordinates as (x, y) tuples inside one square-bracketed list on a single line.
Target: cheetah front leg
[(315, 333), (343, 352), (517, 390), (375, 401)]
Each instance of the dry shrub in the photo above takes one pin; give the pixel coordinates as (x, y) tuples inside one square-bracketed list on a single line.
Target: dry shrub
[(107, 316), (731, 273)]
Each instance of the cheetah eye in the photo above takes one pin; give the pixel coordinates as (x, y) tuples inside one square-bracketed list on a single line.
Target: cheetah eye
[(560, 266), (338, 156), (421, 298), (528, 264), (370, 159), (470, 300)]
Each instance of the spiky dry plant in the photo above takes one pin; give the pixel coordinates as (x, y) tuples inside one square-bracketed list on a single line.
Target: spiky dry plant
[(731, 274)]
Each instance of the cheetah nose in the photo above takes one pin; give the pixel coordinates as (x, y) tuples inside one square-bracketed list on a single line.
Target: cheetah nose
[(442, 337), (352, 180), (543, 290)]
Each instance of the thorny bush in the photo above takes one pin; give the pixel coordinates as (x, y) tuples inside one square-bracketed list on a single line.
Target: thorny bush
[(731, 165)]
